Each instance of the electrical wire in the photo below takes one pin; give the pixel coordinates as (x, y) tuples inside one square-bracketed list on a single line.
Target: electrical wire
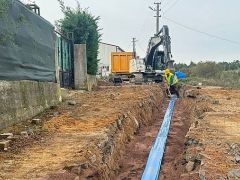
[(169, 8), (202, 32), (140, 47)]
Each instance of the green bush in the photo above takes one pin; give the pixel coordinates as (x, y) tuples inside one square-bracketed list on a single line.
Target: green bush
[(4, 5), (225, 74), (84, 27)]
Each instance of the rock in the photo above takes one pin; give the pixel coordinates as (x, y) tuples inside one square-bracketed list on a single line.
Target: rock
[(235, 173), (36, 121), (202, 175), (192, 93), (13, 138), (30, 132), (6, 135), (191, 141), (24, 133), (53, 107), (190, 166), (72, 103), (237, 158), (112, 96), (85, 166), (115, 125), (9, 162), (136, 122), (93, 158), (119, 123), (215, 102), (4, 145), (76, 170), (55, 113), (228, 98)]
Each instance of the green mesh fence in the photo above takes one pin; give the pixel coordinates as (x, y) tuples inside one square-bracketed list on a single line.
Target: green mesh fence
[(27, 44)]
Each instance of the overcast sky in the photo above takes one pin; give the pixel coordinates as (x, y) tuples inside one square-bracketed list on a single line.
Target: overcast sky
[(122, 20)]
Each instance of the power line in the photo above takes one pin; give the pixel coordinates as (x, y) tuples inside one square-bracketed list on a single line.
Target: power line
[(174, 4), (140, 46), (202, 32)]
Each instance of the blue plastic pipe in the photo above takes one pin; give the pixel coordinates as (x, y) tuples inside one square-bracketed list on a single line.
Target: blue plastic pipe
[(154, 162)]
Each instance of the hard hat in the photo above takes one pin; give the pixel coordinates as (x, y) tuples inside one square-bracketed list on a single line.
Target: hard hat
[(167, 71)]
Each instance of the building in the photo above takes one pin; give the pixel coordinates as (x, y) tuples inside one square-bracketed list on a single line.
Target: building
[(105, 50)]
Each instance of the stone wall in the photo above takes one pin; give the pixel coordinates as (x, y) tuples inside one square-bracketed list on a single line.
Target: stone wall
[(21, 100)]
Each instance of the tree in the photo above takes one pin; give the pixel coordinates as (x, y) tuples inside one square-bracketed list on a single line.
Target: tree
[(85, 29), (4, 5)]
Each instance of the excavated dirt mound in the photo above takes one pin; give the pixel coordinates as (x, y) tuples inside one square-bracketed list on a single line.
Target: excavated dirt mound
[(86, 136), (213, 142)]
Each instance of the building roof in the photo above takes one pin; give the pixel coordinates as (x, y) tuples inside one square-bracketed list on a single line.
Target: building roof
[(112, 45)]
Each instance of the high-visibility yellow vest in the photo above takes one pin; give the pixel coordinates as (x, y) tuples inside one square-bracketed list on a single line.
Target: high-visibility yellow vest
[(171, 79)]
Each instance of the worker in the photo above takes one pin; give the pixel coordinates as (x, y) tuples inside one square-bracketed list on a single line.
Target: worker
[(172, 82)]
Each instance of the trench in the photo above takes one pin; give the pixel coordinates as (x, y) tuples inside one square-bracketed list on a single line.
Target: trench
[(119, 149), (129, 158), (134, 160), (124, 151), (131, 134), (126, 155)]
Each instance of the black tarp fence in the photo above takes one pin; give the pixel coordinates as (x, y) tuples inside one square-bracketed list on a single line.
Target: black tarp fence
[(27, 44)]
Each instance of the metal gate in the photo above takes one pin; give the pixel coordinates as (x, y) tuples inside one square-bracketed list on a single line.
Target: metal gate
[(65, 60)]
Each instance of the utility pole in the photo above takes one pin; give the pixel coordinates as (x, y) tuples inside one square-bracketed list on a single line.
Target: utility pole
[(134, 48), (157, 10)]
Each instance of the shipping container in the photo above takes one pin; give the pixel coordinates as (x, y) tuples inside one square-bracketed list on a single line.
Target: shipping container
[(120, 62)]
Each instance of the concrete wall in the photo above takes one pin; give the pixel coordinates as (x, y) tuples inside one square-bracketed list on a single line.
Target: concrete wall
[(80, 66), (21, 100), (91, 82), (104, 56)]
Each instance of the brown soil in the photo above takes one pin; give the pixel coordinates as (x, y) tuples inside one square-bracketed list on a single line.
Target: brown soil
[(213, 115), (135, 158), (216, 131), (108, 135), (85, 140), (173, 163)]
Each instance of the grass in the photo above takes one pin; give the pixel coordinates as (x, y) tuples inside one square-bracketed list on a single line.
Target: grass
[(222, 81)]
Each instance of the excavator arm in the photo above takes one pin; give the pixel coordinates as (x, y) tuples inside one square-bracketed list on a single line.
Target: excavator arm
[(157, 59)]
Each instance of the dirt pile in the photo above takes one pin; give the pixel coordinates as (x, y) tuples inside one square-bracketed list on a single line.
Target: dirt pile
[(212, 142)]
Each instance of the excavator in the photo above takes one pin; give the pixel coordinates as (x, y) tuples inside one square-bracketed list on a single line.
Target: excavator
[(158, 56), (150, 68)]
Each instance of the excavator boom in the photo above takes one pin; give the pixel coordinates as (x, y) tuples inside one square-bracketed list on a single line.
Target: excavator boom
[(157, 59)]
